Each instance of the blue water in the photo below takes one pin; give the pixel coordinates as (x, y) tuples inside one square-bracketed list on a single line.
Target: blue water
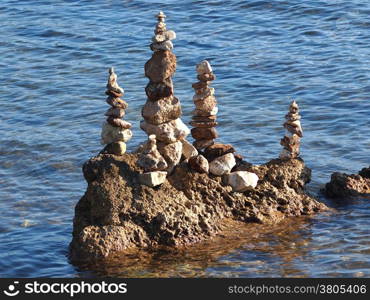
[(54, 61)]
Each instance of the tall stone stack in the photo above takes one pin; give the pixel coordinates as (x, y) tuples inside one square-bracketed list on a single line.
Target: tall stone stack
[(293, 133), (205, 113), (115, 132), (162, 109)]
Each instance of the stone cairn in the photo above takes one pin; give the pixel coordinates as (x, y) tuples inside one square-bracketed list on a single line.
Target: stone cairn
[(292, 139), (205, 113), (115, 132), (162, 110)]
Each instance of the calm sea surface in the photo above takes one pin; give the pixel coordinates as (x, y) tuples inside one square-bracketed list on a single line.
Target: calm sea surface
[(53, 69)]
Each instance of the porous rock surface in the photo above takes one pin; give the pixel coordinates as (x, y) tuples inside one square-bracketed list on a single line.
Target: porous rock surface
[(343, 185), (118, 213)]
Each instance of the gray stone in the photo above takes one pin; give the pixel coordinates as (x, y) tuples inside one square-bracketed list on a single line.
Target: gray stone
[(150, 159), (171, 153), (161, 111), (188, 150), (222, 165), (241, 181), (153, 179), (203, 67), (111, 134), (167, 132)]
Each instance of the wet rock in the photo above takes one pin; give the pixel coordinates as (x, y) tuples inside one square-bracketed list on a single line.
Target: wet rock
[(161, 111), (217, 150), (111, 134), (171, 153), (365, 173), (167, 132), (188, 150), (342, 185), (152, 179), (199, 163), (242, 181), (222, 165), (161, 66)]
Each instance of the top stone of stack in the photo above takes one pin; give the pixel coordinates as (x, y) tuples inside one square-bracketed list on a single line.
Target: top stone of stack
[(162, 37)]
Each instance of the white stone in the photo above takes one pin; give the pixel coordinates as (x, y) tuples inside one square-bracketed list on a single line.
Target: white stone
[(170, 35), (204, 67), (171, 153), (188, 150), (153, 179), (222, 165), (241, 181), (167, 132), (112, 134)]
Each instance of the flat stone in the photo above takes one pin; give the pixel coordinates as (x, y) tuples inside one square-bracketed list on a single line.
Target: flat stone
[(222, 165), (204, 119), (204, 133), (241, 181), (200, 85), (161, 111), (117, 103), (206, 77), (203, 67), (201, 144), (188, 150), (201, 95), (217, 150), (158, 90), (199, 163), (206, 104), (115, 112), (205, 113), (150, 159), (111, 134), (113, 93), (119, 123), (203, 124), (171, 153), (160, 66), (152, 179), (169, 132), (117, 148)]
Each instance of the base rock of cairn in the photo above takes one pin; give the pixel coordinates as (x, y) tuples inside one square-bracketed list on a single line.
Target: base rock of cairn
[(118, 212), (343, 185)]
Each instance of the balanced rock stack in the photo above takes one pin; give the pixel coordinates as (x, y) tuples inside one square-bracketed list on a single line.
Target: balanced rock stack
[(204, 115), (115, 132), (162, 109), (292, 139)]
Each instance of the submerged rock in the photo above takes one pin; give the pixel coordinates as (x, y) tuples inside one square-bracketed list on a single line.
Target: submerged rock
[(117, 212), (343, 185)]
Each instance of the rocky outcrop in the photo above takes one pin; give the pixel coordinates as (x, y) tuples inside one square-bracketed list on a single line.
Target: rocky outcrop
[(118, 212), (343, 185)]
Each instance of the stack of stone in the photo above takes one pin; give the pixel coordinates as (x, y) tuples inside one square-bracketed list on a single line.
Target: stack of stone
[(115, 132), (204, 115), (162, 110), (291, 141)]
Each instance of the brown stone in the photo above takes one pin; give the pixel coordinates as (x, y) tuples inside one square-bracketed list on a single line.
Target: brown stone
[(342, 185), (161, 111), (206, 104), (204, 119), (115, 112), (201, 144), (117, 102), (199, 163), (159, 90), (204, 133), (160, 66), (203, 124), (118, 123), (200, 85), (217, 150), (113, 93), (206, 77)]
